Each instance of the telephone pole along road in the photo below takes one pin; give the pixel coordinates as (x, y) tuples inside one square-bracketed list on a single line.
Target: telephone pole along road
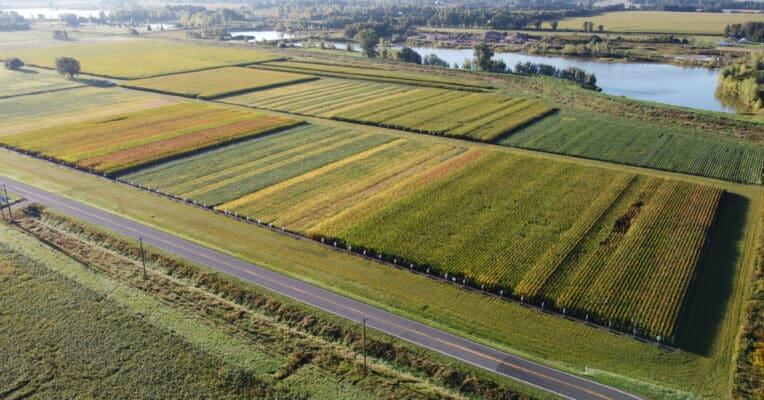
[(545, 378)]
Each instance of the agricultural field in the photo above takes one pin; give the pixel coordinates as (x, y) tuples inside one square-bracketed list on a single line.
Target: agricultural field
[(30, 81), (372, 73), (715, 297), (214, 83), (126, 141), (649, 145), (25, 113), (182, 333), (502, 221), (138, 58), (662, 21), (226, 174), (476, 116)]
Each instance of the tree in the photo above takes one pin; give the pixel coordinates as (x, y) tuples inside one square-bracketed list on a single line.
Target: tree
[(60, 35), (435, 61), (407, 54), (13, 63), (367, 39), (586, 26), (483, 53), (134, 32), (537, 24), (67, 66), (554, 25), (601, 28)]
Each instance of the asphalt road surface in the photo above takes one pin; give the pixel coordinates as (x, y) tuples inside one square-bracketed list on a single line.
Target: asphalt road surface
[(549, 379)]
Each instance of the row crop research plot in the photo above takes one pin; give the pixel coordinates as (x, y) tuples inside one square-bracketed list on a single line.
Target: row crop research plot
[(621, 251), (126, 141)]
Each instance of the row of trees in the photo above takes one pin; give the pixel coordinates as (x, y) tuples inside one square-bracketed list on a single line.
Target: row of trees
[(12, 21), (753, 31), (742, 82), (64, 65)]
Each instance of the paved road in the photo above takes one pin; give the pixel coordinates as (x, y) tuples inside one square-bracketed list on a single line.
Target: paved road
[(522, 370)]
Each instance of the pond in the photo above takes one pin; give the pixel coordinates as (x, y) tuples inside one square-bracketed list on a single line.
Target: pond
[(693, 87), (260, 35)]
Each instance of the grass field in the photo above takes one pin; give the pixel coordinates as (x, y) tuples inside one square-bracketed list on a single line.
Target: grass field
[(375, 73), (662, 21), (470, 214), (138, 58), (215, 83), (125, 141), (476, 116), (701, 371), (26, 81), (259, 345), (25, 113), (649, 145)]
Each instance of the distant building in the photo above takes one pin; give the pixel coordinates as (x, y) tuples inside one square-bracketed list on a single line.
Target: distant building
[(744, 41), (724, 43)]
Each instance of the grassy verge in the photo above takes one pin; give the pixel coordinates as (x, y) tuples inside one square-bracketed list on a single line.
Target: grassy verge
[(286, 344), (600, 355)]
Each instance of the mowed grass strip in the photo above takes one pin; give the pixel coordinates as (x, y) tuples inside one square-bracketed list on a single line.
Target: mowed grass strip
[(126, 141), (25, 113), (26, 81), (649, 145), (374, 73), (229, 173), (214, 83), (139, 58)]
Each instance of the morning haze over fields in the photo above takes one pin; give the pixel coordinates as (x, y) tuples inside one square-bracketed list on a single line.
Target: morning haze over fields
[(353, 199)]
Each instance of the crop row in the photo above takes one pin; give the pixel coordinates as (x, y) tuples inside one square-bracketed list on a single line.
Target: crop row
[(478, 116), (320, 98), (612, 246), (644, 144), (375, 74), (214, 83), (223, 175), (126, 141)]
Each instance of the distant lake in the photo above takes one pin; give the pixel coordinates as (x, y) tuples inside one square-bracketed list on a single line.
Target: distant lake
[(260, 35), (693, 87), (53, 13)]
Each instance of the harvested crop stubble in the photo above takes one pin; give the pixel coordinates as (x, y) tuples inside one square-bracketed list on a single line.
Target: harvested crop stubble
[(126, 141), (220, 82)]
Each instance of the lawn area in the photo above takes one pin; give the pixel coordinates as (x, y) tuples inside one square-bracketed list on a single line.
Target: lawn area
[(702, 371), (662, 21), (216, 83), (138, 58), (27, 81), (670, 148), (25, 113), (126, 141)]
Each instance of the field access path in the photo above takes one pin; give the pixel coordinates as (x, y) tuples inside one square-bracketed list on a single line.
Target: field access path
[(549, 379)]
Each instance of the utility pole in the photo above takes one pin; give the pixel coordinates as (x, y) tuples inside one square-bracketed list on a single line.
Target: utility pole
[(143, 258), (364, 344), (10, 213)]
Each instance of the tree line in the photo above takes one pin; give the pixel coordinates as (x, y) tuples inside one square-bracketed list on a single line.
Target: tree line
[(753, 31), (12, 21)]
